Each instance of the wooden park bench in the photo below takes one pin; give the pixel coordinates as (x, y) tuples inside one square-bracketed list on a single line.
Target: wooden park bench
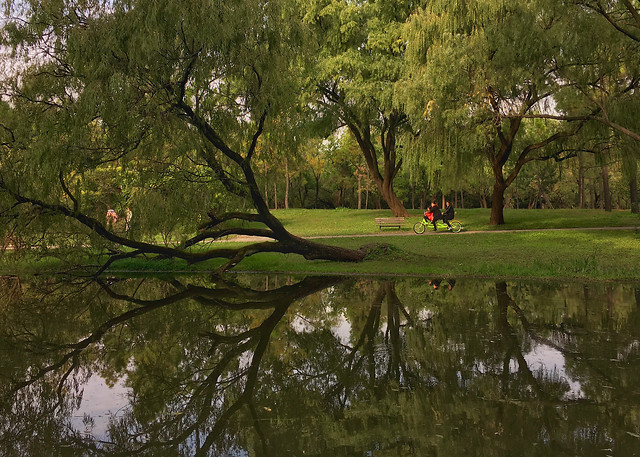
[(389, 222)]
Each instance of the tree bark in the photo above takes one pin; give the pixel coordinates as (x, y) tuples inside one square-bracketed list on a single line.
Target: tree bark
[(606, 190), (633, 192), (395, 204), (497, 205), (275, 196), (287, 183), (317, 178), (580, 182)]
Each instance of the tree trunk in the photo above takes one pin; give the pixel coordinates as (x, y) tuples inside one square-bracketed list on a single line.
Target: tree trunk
[(266, 185), (606, 190), (275, 196), (359, 191), (391, 166), (287, 183), (497, 205), (633, 193), (395, 204), (580, 182), (483, 198), (413, 197)]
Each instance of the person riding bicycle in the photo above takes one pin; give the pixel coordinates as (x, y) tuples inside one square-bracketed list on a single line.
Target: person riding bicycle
[(448, 213), (428, 215), (437, 214)]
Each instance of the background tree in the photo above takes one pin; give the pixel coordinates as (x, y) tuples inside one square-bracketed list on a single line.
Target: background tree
[(361, 55), (476, 71)]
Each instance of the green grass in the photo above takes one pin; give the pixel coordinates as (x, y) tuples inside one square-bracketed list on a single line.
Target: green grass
[(312, 222), (518, 249), (577, 254)]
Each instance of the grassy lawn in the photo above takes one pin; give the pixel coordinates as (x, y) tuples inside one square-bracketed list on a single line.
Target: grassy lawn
[(573, 254), (517, 250), (581, 254), (319, 222)]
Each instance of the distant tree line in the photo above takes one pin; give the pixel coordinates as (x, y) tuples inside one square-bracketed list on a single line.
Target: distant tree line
[(332, 174)]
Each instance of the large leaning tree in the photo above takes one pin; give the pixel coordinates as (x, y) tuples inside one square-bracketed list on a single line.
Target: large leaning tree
[(360, 57), (478, 71), (174, 97)]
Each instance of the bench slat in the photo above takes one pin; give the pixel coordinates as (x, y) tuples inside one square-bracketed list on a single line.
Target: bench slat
[(389, 222)]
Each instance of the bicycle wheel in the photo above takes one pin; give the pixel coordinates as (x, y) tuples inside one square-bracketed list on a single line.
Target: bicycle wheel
[(456, 226), (418, 227)]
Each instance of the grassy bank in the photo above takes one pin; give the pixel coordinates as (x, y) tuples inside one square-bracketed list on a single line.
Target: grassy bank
[(516, 249), (580, 254)]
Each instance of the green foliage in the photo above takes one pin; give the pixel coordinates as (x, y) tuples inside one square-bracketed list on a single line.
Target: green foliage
[(97, 110)]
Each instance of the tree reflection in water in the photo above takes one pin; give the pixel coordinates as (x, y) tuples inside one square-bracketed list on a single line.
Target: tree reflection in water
[(321, 366)]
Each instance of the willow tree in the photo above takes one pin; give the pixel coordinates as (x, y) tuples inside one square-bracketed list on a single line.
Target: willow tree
[(182, 91), (360, 57), (615, 87), (611, 83), (476, 70)]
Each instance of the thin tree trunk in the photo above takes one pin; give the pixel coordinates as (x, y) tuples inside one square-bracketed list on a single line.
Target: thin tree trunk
[(266, 194), (266, 185), (275, 196), (580, 182), (287, 183), (606, 190), (359, 191), (413, 196), (633, 193)]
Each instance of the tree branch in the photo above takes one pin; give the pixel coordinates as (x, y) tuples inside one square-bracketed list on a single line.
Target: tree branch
[(68, 193), (256, 135)]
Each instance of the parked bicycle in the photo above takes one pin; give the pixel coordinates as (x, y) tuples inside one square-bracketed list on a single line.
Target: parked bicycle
[(420, 226)]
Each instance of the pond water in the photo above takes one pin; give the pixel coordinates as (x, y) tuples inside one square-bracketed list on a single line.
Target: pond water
[(318, 366)]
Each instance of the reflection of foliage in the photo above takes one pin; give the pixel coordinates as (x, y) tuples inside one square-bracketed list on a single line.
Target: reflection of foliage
[(322, 367)]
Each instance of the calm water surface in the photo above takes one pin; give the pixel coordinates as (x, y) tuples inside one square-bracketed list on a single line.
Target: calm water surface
[(281, 366)]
